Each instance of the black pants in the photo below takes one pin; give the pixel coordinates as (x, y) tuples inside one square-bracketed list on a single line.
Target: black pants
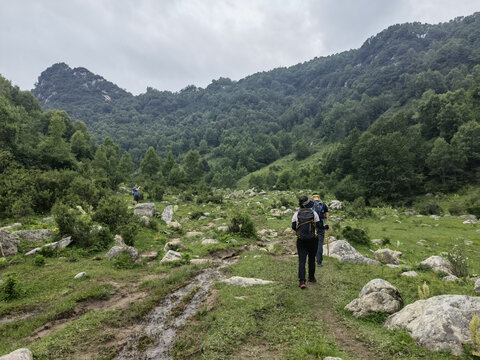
[(306, 248)]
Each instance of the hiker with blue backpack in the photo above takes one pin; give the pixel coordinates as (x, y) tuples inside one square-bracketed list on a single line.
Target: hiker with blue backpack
[(322, 210), (306, 223)]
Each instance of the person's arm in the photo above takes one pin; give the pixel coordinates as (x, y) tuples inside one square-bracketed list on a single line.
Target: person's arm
[(294, 221)]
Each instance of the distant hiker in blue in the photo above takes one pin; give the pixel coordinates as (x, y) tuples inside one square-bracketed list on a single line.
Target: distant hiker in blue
[(136, 194), (306, 223), (322, 211)]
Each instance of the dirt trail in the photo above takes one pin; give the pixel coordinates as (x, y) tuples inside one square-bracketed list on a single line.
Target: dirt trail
[(157, 336)]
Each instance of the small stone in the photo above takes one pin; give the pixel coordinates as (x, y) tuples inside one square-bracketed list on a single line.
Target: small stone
[(171, 256), (222, 228), (242, 281), (200, 261), (332, 358), (150, 256), (193, 234), (476, 287), (450, 278), (409, 273), (80, 275), (19, 354), (175, 225), (145, 220), (174, 244), (209, 241), (10, 227), (468, 242)]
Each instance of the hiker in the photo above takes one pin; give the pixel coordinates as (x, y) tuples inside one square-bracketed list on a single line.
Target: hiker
[(322, 210), (305, 222), (136, 194)]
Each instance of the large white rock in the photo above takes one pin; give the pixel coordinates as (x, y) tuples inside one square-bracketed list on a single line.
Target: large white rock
[(346, 253), (438, 323), (171, 256), (34, 235), (387, 256), (167, 214), (377, 295), (19, 354), (243, 281), (9, 244), (438, 264), (147, 209), (335, 205)]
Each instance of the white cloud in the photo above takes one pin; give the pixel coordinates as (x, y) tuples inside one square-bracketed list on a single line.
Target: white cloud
[(170, 44)]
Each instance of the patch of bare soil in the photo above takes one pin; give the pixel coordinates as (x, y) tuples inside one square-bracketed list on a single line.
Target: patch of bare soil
[(119, 301), (344, 335)]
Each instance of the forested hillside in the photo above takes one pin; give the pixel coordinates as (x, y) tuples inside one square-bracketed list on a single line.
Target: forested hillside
[(417, 83)]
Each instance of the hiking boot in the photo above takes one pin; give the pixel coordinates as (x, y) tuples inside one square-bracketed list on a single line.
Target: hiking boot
[(302, 285), (319, 264), (312, 281)]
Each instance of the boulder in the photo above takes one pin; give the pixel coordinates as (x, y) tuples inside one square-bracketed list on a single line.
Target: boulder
[(19, 354), (450, 278), (377, 241), (209, 241), (346, 253), (80, 275), (116, 250), (469, 222), (11, 227), (119, 241), (438, 323), (222, 228), (377, 295), (34, 235), (409, 273), (438, 264), (175, 225), (147, 209), (193, 234), (387, 256), (171, 256), (150, 256), (167, 214), (468, 217), (335, 205), (242, 281), (174, 244), (476, 287), (8, 244)]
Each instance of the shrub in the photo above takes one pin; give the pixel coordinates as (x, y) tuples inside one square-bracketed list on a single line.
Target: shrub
[(3, 263), (458, 258), (39, 260), (196, 215), (10, 288), (282, 201), (356, 236), (475, 335), (357, 208), (155, 192), (243, 224), (128, 232), (112, 212), (427, 206), (424, 291), (124, 261)]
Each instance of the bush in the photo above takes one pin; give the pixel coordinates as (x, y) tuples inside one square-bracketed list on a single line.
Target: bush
[(196, 215), (10, 288), (427, 206), (356, 236), (112, 212), (155, 192), (39, 260), (358, 209), (458, 258), (124, 261), (242, 224), (3, 263), (128, 232), (282, 201)]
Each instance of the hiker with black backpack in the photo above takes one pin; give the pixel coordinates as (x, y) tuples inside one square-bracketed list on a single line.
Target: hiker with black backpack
[(322, 210), (306, 223)]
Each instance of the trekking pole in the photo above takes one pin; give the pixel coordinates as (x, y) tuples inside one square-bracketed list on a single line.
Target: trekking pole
[(329, 265)]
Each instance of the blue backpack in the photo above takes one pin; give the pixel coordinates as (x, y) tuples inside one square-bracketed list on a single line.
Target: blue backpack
[(319, 208)]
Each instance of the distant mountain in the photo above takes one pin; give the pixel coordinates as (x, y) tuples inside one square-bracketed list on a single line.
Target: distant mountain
[(246, 124)]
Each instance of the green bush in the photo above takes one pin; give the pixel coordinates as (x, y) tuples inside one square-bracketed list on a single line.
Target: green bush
[(128, 232), (155, 192), (358, 209), (458, 259), (242, 224), (39, 260), (356, 236), (196, 215), (10, 288), (427, 206), (282, 201), (3, 263), (113, 212), (124, 261)]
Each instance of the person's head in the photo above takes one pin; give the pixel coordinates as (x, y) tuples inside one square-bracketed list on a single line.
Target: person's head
[(305, 202), (316, 197)]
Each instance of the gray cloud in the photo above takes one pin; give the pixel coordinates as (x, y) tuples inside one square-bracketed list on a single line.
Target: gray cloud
[(171, 44)]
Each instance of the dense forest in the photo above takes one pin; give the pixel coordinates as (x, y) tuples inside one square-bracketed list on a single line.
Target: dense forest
[(395, 118)]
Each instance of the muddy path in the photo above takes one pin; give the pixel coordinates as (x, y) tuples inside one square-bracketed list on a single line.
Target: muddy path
[(157, 334)]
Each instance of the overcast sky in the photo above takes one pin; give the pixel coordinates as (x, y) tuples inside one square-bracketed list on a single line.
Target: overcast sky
[(168, 45)]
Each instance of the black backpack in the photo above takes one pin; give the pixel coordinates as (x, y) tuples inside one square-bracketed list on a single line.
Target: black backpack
[(305, 224), (319, 209)]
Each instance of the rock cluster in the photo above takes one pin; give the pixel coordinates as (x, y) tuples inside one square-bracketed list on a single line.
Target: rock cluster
[(377, 295), (438, 323)]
